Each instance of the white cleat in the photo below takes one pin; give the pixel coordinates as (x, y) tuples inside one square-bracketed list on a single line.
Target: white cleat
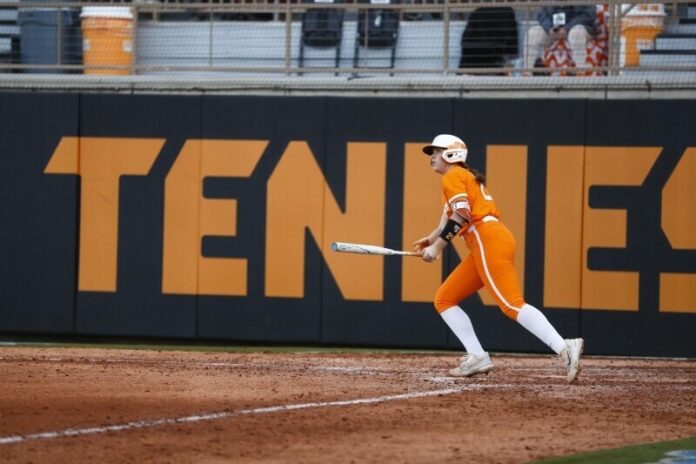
[(472, 364), (570, 356)]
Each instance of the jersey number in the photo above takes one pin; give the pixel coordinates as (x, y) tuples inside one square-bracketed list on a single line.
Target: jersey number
[(486, 196)]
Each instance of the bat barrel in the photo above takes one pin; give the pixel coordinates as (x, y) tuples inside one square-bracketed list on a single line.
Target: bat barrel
[(363, 249)]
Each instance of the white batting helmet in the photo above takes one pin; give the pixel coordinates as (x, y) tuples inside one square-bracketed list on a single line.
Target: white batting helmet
[(455, 148)]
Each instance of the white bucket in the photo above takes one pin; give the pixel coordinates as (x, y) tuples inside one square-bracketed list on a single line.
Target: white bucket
[(643, 15), (122, 12)]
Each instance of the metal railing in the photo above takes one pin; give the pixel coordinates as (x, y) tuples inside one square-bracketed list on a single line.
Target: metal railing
[(221, 38)]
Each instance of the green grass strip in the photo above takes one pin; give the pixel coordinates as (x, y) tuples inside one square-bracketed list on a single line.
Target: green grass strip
[(639, 454)]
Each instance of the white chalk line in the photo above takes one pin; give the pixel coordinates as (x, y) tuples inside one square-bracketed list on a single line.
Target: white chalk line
[(144, 424), (223, 364)]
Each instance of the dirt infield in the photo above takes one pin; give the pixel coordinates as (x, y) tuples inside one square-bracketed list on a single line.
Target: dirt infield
[(107, 405)]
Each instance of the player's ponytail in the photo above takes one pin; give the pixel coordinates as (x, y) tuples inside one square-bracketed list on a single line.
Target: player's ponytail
[(480, 177)]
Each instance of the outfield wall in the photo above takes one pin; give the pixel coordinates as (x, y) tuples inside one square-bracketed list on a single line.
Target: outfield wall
[(211, 218)]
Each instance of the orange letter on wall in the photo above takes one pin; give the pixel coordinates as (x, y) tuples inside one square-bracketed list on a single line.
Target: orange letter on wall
[(678, 291), (614, 290), (188, 217), (100, 162), (299, 199), (506, 173), (572, 227), (563, 237), (422, 211)]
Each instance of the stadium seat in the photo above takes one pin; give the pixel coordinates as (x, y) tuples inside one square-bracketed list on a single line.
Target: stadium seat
[(323, 28), (9, 37), (377, 28), (490, 39)]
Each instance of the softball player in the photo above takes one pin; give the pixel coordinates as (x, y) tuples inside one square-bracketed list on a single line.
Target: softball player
[(470, 211)]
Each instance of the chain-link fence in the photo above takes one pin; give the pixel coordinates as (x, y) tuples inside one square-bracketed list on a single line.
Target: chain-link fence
[(271, 43)]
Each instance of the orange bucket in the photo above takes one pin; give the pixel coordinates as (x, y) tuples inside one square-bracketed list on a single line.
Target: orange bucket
[(637, 39), (107, 40), (639, 28)]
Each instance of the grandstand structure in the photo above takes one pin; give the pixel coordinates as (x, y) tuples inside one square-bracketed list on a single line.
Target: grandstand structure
[(265, 46)]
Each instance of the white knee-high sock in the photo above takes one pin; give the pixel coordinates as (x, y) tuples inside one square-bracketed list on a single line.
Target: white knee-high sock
[(533, 320), (458, 321)]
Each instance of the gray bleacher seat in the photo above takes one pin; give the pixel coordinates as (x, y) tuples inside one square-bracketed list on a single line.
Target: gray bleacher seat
[(252, 44), (675, 46), (9, 36)]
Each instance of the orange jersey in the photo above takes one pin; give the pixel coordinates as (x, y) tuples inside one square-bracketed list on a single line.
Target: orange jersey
[(465, 195), (492, 247)]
